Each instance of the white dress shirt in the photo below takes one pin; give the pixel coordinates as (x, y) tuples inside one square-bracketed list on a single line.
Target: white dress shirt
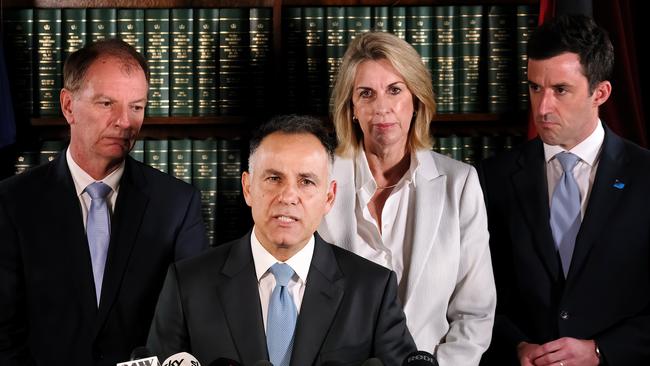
[(300, 263), (585, 170), (390, 247), (82, 180)]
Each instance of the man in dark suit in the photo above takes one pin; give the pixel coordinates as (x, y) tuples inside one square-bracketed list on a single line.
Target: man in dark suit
[(568, 217), (80, 274), (220, 304)]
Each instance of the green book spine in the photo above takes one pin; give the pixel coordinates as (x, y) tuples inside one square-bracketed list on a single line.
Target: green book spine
[(335, 23), (468, 151), (49, 61), (102, 24), (444, 145), (261, 57), (294, 56), (206, 33), (26, 160), (488, 146), (234, 41), (156, 154), (500, 60), (380, 18), (526, 22), (130, 27), (156, 30), (74, 30), (19, 40), (204, 178), (444, 65), (50, 149), (451, 146), (359, 20), (315, 40), (419, 32), (137, 152), (398, 21), (230, 212), (180, 159), (182, 62), (469, 70)]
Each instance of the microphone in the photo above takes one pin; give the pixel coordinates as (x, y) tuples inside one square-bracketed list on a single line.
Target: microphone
[(181, 359), (420, 358), (141, 356), (222, 361), (373, 362)]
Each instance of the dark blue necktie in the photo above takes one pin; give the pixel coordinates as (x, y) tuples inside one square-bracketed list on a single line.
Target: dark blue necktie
[(565, 210), (98, 231)]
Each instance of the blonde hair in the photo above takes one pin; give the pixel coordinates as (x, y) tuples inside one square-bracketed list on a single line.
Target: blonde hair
[(406, 60)]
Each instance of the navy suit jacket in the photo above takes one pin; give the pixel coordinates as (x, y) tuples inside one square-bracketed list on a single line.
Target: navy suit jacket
[(48, 308), (606, 295), (210, 307)]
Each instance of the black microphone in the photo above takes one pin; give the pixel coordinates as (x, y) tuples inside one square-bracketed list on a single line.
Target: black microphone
[(420, 358), (222, 361), (373, 362)]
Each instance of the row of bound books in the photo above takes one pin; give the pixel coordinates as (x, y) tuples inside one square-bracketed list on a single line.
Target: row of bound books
[(213, 166), (218, 61)]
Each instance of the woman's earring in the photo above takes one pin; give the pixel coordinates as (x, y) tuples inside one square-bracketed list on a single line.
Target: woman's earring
[(355, 119)]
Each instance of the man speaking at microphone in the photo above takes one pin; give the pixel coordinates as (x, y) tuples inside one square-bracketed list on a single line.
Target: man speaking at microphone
[(281, 293)]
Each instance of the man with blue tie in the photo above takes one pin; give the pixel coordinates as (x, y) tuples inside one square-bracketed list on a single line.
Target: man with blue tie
[(568, 217), (281, 293), (86, 239)]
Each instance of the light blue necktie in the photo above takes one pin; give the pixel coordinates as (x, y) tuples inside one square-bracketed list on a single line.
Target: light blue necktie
[(281, 320), (565, 210), (98, 231)]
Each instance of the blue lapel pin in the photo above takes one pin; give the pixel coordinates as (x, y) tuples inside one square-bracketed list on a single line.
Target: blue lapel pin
[(618, 184)]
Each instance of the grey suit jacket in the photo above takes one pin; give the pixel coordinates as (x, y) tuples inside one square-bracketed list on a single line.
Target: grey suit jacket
[(210, 307)]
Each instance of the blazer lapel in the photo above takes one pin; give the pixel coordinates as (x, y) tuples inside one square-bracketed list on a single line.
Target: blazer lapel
[(603, 198), (240, 300), (530, 186), (429, 199), (344, 207), (130, 208), (325, 288)]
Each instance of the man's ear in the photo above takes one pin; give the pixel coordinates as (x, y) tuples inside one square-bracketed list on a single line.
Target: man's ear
[(602, 92), (66, 99), (246, 187), (331, 196)]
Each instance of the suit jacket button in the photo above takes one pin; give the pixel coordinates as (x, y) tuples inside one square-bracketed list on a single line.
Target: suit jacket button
[(564, 315)]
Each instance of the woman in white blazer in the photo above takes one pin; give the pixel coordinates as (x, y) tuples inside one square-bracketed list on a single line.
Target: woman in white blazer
[(405, 207)]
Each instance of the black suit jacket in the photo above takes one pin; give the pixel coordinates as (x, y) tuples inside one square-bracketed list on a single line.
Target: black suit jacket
[(48, 310), (210, 307), (606, 295)]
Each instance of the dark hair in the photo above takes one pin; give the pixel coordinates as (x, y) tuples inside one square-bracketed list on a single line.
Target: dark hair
[(77, 64), (576, 34), (295, 124)]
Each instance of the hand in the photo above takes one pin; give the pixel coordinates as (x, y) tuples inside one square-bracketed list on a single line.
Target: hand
[(524, 350), (565, 352)]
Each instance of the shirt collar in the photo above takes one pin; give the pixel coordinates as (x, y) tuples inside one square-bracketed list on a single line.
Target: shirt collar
[(82, 179), (587, 150), (299, 262)]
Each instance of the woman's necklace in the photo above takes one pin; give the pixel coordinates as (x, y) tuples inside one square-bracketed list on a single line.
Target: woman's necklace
[(386, 187)]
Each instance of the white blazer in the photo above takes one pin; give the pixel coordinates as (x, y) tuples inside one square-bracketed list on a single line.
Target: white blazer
[(450, 294)]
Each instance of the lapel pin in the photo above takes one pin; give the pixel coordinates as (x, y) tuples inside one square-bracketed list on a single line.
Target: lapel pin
[(618, 184)]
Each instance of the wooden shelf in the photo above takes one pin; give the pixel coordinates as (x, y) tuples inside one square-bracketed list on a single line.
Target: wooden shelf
[(137, 3), (403, 2)]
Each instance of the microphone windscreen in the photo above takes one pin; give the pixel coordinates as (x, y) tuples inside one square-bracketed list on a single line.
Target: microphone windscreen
[(222, 361), (181, 359), (420, 358), (373, 362)]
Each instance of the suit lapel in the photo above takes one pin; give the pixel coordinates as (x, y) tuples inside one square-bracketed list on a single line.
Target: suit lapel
[(429, 200), (63, 199), (130, 208), (602, 200), (529, 182), (325, 288), (240, 300)]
